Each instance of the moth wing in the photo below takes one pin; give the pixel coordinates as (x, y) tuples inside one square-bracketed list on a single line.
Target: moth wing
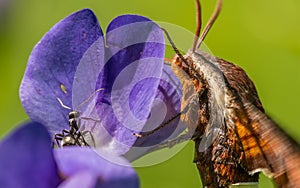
[(275, 150)]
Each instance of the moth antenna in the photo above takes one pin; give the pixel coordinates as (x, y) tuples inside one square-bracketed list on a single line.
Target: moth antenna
[(174, 47), (179, 54), (173, 44), (211, 21), (62, 104), (198, 24), (89, 98)]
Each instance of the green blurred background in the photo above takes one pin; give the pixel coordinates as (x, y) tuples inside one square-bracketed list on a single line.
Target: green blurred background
[(260, 36)]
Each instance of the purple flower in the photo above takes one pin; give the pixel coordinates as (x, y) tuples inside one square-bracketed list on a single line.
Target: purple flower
[(27, 160), (119, 83)]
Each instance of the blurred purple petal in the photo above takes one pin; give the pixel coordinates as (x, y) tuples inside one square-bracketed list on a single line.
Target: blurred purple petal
[(52, 65), (73, 160), (26, 159), (84, 179), (135, 56)]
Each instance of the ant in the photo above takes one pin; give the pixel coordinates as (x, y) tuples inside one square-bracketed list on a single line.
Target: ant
[(73, 136)]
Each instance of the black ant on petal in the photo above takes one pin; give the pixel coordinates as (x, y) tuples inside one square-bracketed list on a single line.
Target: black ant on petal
[(73, 136)]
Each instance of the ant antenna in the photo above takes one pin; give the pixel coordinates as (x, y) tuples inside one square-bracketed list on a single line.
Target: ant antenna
[(211, 21), (89, 98), (85, 101), (62, 104), (198, 24)]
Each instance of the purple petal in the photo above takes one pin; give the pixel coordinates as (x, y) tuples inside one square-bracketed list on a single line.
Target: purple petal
[(51, 68), (125, 20), (110, 174), (135, 57), (27, 160), (168, 105)]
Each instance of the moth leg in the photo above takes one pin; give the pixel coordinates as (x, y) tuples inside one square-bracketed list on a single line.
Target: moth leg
[(186, 108), (170, 143)]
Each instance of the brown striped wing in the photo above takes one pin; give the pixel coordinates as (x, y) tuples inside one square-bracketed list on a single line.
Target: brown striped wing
[(265, 146), (281, 152)]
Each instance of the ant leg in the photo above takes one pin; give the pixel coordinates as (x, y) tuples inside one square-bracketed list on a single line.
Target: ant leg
[(88, 118), (57, 138), (77, 138), (91, 135), (65, 131), (79, 122), (91, 127), (80, 136)]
